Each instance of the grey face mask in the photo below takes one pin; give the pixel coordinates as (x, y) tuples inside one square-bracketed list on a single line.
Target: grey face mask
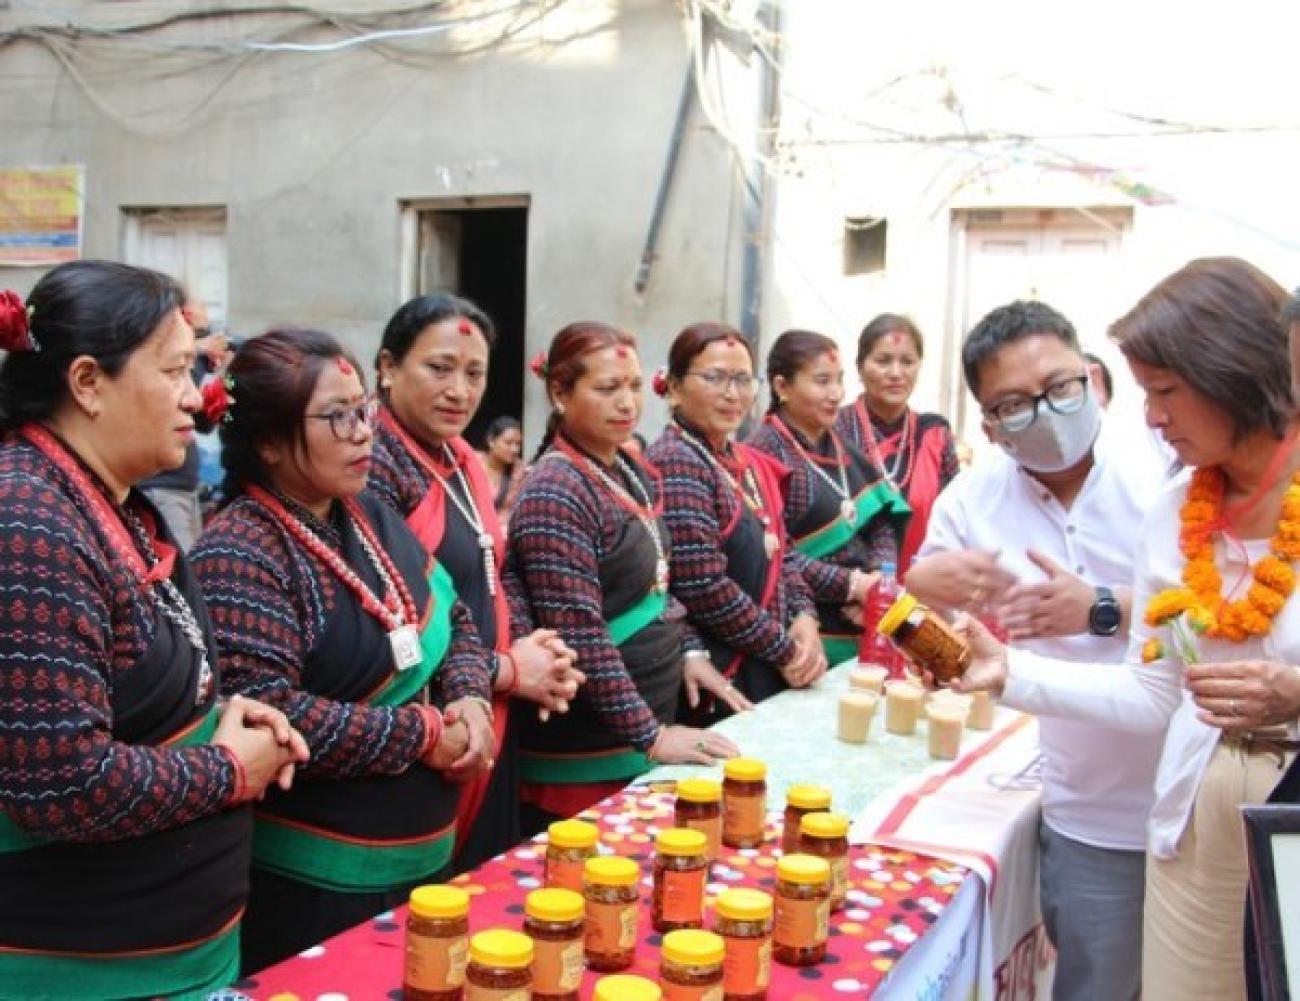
[(1054, 442)]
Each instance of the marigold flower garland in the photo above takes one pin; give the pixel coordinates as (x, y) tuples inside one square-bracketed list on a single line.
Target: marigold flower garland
[(1200, 598)]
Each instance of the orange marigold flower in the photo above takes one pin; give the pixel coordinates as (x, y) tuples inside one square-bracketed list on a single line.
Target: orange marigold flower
[(1266, 601), (1152, 650), (1164, 606), (1275, 574), (1200, 619)]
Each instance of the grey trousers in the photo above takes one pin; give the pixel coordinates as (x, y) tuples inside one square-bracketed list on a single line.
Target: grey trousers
[(180, 509), (1092, 908)]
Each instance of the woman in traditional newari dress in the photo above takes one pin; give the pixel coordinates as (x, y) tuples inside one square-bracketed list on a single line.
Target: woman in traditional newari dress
[(731, 563), (124, 829), (589, 557), (325, 604), (433, 368), (845, 518)]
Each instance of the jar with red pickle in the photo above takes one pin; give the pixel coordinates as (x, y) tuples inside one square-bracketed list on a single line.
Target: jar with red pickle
[(553, 919), (500, 966), (925, 637), (743, 920), (802, 910), (680, 875), (569, 843), (699, 808), (744, 802), (691, 965), (437, 944), (801, 799), (613, 908), (826, 835)]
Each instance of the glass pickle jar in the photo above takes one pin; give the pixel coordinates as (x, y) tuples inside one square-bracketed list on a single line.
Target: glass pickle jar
[(802, 910), (500, 966), (699, 808), (437, 944), (612, 909), (925, 638), (801, 799), (744, 802), (691, 965), (569, 843), (826, 835), (744, 922), (553, 919), (626, 987), (681, 872)]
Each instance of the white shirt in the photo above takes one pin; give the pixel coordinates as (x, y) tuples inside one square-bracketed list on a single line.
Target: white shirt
[(1151, 697), (1097, 782)]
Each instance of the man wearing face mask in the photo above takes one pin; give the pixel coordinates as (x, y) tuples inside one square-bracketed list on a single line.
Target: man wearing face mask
[(1042, 538)]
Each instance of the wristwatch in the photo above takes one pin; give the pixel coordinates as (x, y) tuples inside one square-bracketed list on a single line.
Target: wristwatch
[(1105, 615)]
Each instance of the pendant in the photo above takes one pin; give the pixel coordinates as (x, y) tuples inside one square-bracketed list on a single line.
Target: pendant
[(405, 641), (661, 576), (205, 680), (771, 544), (849, 512), (489, 562)]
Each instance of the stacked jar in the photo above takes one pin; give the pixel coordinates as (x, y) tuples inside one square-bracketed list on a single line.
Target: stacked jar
[(699, 808), (802, 910), (744, 923), (799, 800), (437, 944), (500, 966), (691, 965), (681, 873), (553, 919), (826, 835), (612, 912)]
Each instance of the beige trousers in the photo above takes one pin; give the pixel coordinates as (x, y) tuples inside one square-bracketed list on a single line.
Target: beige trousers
[(1195, 903)]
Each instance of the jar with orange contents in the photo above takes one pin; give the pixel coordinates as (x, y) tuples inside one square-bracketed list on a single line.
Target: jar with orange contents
[(437, 944), (691, 965), (826, 835), (802, 910), (680, 874), (801, 799), (569, 843), (626, 987), (613, 907), (744, 802), (699, 808), (744, 922), (926, 639), (553, 919), (500, 966)]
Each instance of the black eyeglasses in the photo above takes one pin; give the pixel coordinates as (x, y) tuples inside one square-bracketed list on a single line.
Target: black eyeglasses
[(718, 380), (1015, 413), (344, 421)]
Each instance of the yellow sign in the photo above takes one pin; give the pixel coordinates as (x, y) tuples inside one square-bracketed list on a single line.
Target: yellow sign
[(40, 215)]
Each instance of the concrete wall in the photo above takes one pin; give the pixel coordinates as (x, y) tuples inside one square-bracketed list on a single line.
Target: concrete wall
[(312, 155)]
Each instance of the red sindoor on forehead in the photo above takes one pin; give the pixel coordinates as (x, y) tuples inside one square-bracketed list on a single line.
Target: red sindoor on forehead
[(465, 327), (621, 350), (345, 366)]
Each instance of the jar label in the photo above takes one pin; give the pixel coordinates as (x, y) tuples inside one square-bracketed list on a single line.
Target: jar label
[(747, 968), (712, 829), (683, 894), (565, 873), (743, 818), (476, 993), (557, 966), (802, 923), (436, 964), (610, 927), (839, 877), (680, 992)]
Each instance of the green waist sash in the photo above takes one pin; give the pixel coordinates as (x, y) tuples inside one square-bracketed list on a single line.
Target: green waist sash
[(869, 502)]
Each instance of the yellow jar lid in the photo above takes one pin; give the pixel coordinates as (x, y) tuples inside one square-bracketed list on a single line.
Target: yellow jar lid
[(611, 870), (681, 841), (439, 902), (808, 797), (745, 770), (896, 614), (744, 905), (625, 987), (699, 790), (572, 834), (824, 825), (501, 947), (693, 947), (554, 904), (803, 869)]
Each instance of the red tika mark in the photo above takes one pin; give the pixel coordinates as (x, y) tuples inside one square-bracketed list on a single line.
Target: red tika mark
[(345, 366), (465, 327), (621, 351)]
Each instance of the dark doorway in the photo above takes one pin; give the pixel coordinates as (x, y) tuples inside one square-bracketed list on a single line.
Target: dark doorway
[(482, 254)]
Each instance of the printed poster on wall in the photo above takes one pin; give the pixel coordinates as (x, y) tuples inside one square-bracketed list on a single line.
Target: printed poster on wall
[(40, 215)]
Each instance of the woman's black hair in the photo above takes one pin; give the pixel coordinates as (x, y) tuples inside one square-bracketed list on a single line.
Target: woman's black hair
[(406, 325), (101, 309), (788, 356), (499, 426)]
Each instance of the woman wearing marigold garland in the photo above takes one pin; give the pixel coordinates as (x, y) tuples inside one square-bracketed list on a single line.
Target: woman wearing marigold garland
[(1215, 576)]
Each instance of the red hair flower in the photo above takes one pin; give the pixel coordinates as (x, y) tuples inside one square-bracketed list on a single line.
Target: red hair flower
[(659, 382), (538, 365), (217, 400), (15, 324)]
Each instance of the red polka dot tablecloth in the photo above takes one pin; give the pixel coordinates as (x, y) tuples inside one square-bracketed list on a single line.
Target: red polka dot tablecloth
[(894, 898)]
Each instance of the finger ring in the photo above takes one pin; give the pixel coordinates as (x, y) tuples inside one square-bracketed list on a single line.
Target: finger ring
[(699, 745)]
